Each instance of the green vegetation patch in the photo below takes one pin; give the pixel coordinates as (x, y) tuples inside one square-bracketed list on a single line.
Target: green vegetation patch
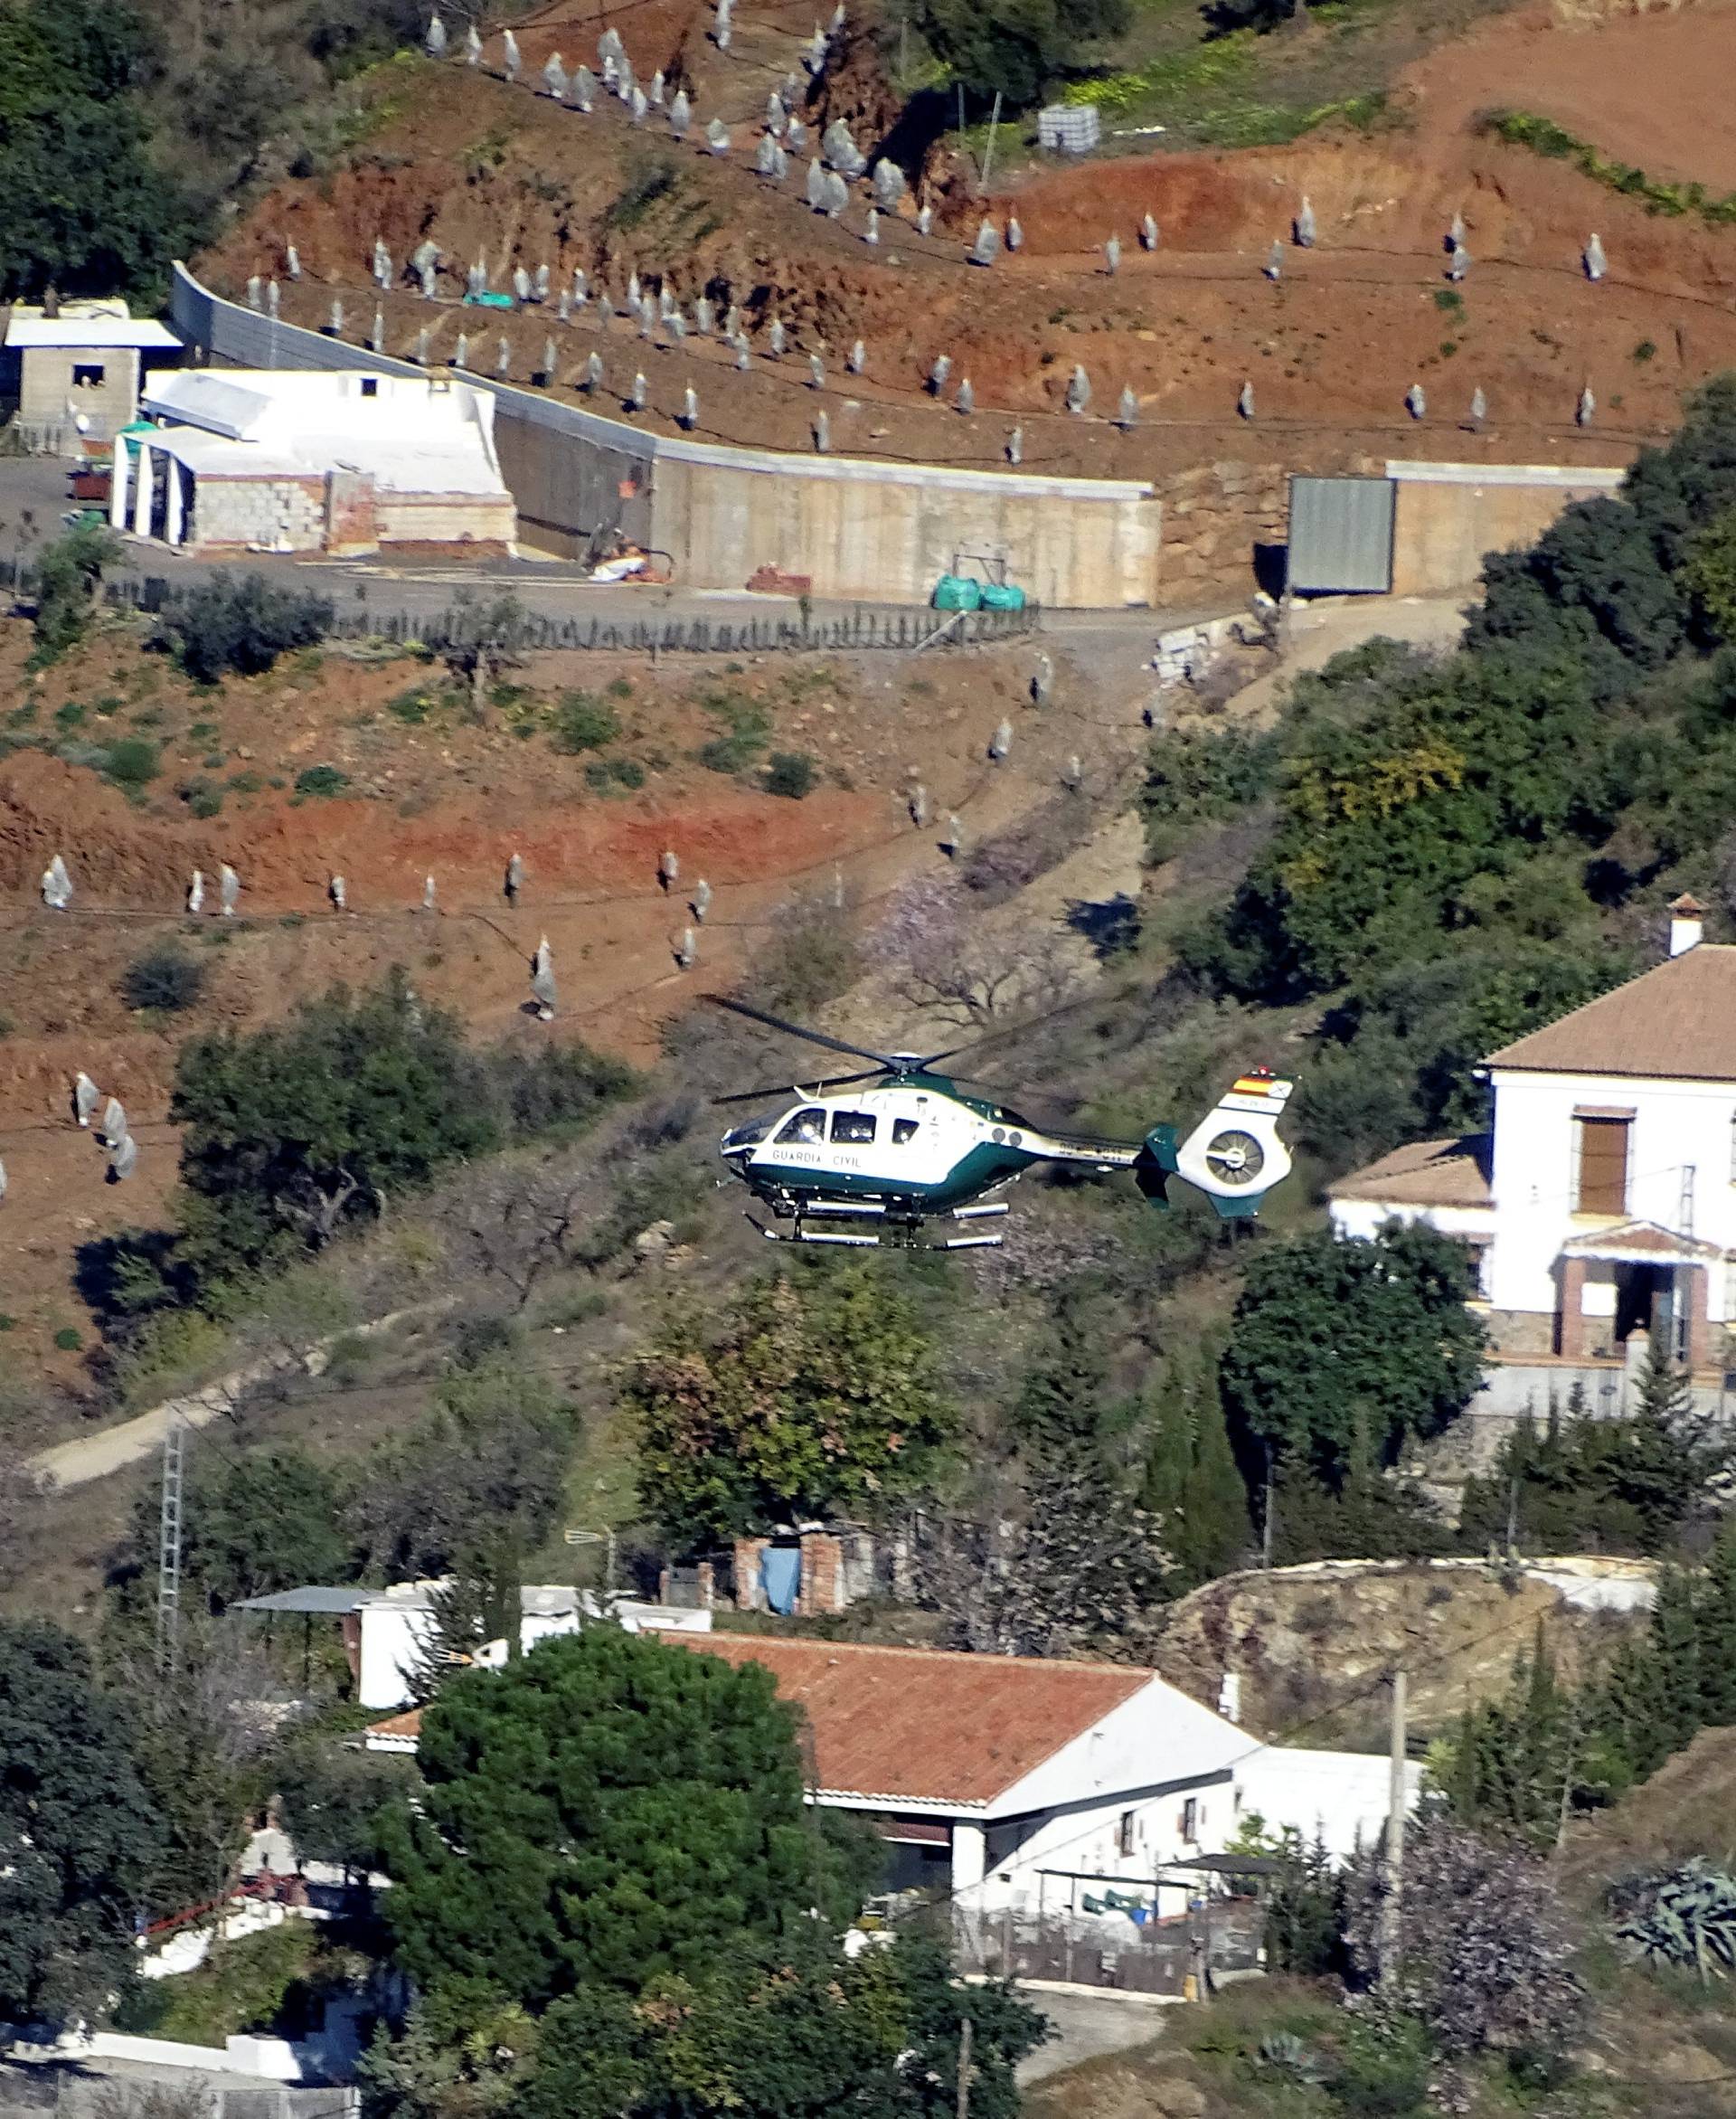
[(1542, 135), (747, 727)]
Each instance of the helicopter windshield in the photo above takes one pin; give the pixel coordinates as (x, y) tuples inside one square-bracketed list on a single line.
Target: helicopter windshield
[(805, 1127)]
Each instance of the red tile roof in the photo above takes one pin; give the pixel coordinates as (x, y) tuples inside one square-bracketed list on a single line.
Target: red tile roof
[(408, 1724), (915, 1724), (1677, 1020), (1427, 1173)]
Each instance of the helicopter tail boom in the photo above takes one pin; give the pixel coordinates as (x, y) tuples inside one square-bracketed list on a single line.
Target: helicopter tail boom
[(1233, 1156)]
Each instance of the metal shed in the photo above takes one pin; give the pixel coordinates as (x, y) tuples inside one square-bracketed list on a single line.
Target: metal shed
[(1341, 537)]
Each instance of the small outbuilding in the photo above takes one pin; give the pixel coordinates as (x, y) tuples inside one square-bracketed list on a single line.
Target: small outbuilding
[(253, 459), (74, 373)]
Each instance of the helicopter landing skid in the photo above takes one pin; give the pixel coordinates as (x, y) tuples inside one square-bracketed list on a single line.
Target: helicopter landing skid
[(894, 1236)]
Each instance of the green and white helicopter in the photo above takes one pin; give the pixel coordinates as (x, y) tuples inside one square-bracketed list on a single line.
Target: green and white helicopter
[(898, 1146)]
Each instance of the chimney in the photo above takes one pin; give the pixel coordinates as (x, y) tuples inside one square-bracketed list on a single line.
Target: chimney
[(1687, 924)]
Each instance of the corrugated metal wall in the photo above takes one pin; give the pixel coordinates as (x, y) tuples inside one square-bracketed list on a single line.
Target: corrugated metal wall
[(1341, 536)]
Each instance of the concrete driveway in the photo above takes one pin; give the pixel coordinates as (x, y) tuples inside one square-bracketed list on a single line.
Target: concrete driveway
[(1089, 2026)]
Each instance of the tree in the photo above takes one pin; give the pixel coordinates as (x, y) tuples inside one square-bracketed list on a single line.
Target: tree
[(1716, 1631), (202, 1749), (814, 1397), (83, 206), (1017, 47), (334, 1797), (1066, 1384), (605, 1811), (480, 1474), (1709, 576), (292, 1130), (1486, 1945), (254, 1522), (69, 574), (944, 956), (78, 1830), (1065, 1561), (1513, 1766), (457, 2056), (239, 624), (879, 2033), (1342, 1350), (487, 648), (1651, 1702), (482, 1602), (1192, 1489), (1620, 1485)]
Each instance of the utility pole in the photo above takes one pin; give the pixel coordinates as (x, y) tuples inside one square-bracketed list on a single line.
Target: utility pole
[(994, 126), (1392, 1906), (168, 1549), (964, 2068)]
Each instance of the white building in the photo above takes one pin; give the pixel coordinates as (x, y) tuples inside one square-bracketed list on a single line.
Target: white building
[(292, 461), (75, 375), (1601, 1205), (1025, 1783), (387, 1633)]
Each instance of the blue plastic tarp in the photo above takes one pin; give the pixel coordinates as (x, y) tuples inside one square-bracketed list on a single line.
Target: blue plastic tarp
[(780, 1576)]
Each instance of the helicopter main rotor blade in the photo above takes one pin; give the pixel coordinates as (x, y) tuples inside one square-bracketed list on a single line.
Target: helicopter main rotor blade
[(800, 1088), (741, 1007)]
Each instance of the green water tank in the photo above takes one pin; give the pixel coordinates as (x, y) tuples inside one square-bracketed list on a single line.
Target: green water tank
[(957, 593)]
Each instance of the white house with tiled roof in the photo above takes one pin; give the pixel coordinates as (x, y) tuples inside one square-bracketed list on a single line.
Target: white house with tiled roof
[(1031, 1783), (1601, 1204)]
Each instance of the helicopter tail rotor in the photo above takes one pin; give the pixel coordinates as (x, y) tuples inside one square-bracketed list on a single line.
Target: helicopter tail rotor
[(1234, 1155)]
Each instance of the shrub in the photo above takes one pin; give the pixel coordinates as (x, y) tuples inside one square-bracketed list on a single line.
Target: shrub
[(165, 979), (319, 781), (69, 1338), (791, 773), (68, 576), (242, 624), (1686, 1918), (202, 797), (581, 722), (747, 728), (603, 776), (132, 764)]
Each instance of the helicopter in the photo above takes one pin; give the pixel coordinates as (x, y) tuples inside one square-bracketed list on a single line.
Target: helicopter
[(899, 1146)]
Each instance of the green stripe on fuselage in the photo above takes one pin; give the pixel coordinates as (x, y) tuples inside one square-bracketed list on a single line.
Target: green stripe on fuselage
[(990, 1162)]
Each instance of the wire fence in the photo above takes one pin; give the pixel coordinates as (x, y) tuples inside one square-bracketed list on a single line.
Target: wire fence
[(466, 624), (1111, 1951)]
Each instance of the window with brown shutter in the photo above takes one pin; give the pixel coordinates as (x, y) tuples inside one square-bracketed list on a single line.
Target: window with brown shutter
[(1603, 1166)]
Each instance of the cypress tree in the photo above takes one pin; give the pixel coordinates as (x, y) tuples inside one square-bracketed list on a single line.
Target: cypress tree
[(1062, 1401), (1715, 1631), (1192, 1484)]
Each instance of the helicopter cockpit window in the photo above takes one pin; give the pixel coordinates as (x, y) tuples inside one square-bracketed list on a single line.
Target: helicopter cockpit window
[(805, 1128), (904, 1131), (855, 1126)]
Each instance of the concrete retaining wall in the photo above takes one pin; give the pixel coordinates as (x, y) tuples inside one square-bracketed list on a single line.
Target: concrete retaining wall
[(861, 532), (1448, 516), (859, 528)]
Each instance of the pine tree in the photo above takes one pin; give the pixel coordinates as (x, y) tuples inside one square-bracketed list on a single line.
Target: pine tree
[(1061, 1404)]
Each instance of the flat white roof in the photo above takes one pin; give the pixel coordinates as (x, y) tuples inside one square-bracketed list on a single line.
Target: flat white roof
[(74, 332), (1604, 478), (419, 433)]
